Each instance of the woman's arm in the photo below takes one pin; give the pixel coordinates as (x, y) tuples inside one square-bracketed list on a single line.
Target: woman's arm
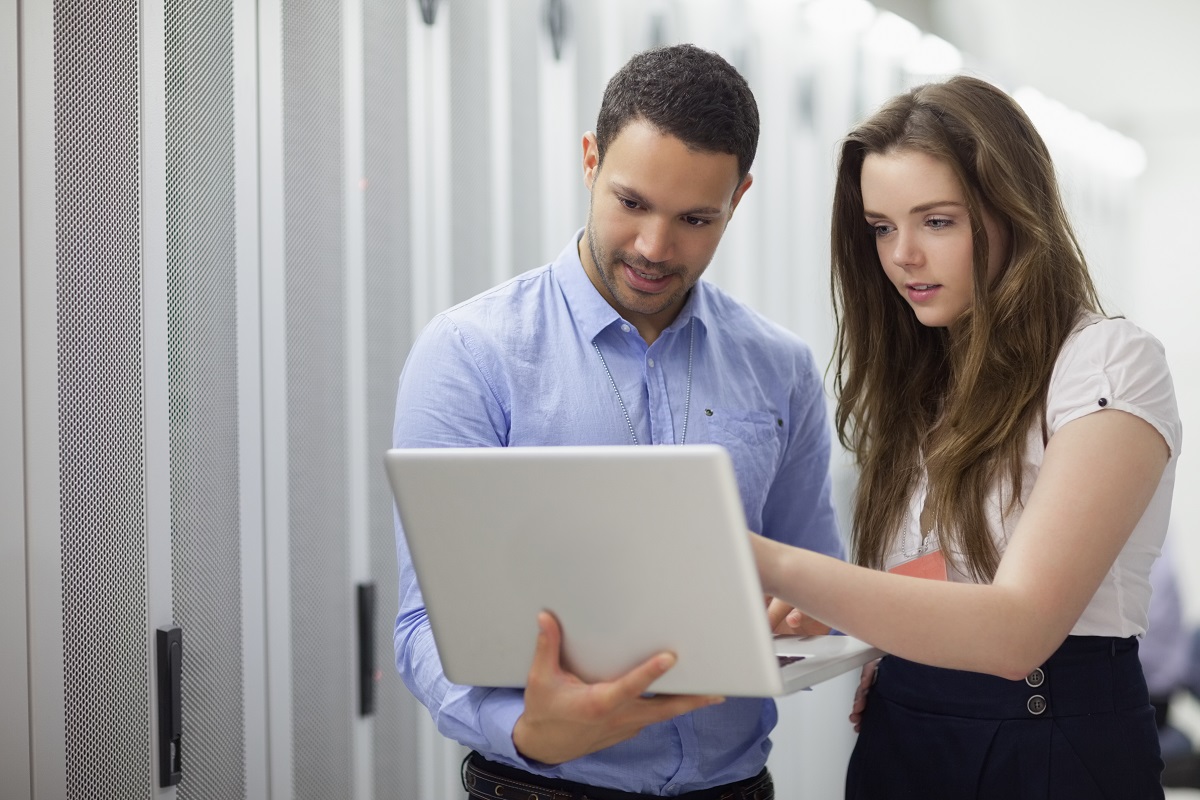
[(1097, 478)]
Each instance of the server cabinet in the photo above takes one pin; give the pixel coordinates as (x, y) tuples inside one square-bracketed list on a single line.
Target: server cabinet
[(210, 226), (97, 513), (387, 325), (350, 260), (133, 436)]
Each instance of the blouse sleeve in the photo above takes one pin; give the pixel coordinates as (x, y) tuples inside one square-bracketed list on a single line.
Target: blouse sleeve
[(1112, 363)]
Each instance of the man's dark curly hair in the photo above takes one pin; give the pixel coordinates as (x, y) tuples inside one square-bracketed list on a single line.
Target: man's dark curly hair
[(684, 91)]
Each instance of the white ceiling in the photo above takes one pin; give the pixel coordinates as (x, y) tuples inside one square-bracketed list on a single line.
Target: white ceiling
[(1132, 64)]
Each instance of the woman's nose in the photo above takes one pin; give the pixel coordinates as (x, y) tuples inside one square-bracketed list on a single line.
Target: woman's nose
[(905, 251)]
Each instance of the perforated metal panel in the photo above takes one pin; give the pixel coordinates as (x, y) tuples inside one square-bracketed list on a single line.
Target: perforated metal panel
[(100, 400), (472, 215), (389, 325), (323, 669), (526, 28), (202, 373)]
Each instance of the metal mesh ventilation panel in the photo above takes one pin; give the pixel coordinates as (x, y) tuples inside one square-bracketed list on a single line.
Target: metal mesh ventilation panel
[(471, 173), (389, 331), (323, 670), (100, 400), (202, 375)]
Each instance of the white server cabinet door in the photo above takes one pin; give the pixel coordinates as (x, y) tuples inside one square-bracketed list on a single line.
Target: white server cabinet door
[(95, 428), (123, 274), (308, 386), (387, 319), (209, 232), (481, 133), (547, 182)]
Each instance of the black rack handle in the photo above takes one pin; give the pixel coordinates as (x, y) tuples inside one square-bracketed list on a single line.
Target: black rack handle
[(368, 673), (170, 707)]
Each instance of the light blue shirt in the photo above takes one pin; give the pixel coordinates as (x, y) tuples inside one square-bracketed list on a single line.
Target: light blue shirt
[(516, 366)]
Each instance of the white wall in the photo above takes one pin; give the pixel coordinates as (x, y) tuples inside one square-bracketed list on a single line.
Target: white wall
[(1165, 299)]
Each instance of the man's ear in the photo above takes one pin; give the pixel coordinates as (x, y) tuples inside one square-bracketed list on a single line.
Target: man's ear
[(739, 191), (591, 159)]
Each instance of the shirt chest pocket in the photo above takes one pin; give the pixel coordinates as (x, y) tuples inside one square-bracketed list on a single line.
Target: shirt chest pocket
[(754, 440)]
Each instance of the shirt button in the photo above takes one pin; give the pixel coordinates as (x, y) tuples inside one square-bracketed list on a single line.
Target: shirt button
[(625, 329), (650, 362), (1036, 678), (1036, 704)]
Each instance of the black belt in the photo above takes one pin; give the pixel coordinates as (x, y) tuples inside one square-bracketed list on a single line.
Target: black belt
[(487, 779)]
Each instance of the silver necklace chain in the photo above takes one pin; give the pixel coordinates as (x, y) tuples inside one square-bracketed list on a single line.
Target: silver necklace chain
[(687, 398), (924, 538)]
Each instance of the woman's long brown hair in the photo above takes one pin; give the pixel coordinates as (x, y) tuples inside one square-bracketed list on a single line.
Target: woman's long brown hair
[(907, 393)]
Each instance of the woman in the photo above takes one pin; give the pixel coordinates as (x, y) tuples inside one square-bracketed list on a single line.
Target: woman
[(1013, 443)]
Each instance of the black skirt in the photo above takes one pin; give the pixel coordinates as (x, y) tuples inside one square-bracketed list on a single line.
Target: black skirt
[(1081, 726)]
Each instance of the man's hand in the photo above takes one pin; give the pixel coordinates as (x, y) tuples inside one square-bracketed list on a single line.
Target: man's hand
[(860, 695), (566, 718), (789, 621)]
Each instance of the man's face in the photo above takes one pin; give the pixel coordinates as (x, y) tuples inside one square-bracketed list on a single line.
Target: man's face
[(657, 212)]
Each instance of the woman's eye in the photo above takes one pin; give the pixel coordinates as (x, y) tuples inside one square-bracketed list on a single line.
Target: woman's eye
[(938, 223), (881, 230)]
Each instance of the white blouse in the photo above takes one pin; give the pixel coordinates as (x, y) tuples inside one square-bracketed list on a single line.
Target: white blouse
[(1105, 363)]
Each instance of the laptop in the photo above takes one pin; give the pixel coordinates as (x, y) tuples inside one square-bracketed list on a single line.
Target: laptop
[(635, 550)]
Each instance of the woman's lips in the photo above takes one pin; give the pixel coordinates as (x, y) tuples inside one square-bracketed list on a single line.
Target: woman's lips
[(921, 292)]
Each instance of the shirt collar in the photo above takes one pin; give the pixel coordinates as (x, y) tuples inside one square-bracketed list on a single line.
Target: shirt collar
[(591, 311)]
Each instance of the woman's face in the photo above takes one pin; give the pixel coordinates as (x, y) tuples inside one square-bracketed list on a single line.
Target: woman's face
[(918, 213)]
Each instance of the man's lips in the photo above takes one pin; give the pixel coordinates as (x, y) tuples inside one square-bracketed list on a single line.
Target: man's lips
[(645, 281)]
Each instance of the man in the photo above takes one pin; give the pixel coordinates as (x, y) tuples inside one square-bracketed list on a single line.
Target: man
[(618, 341)]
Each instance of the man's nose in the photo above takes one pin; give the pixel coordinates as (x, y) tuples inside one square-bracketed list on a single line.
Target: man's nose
[(655, 241)]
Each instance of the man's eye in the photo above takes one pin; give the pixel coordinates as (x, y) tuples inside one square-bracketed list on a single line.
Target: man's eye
[(630, 204)]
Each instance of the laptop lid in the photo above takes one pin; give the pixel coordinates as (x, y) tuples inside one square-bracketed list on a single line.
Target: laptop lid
[(635, 550)]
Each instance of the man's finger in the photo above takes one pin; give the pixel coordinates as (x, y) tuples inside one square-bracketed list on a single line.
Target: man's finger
[(638, 680), (546, 651)]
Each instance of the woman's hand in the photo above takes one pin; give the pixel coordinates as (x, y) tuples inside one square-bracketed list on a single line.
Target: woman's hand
[(786, 620)]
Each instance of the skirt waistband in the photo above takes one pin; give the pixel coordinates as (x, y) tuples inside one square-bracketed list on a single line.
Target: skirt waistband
[(1086, 675)]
